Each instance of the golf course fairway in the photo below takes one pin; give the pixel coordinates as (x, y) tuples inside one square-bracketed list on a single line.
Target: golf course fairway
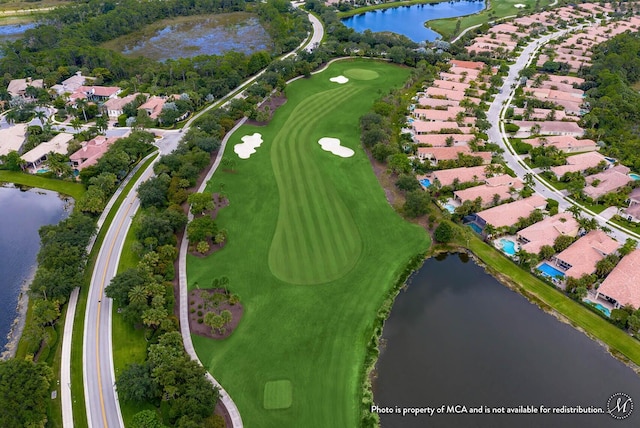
[(313, 250)]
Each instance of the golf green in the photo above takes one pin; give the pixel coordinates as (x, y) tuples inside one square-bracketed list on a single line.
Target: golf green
[(313, 250)]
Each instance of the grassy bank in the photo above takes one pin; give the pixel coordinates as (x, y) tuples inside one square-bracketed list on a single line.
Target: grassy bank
[(77, 386), (498, 9), (359, 10), (313, 250), (75, 190), (619, 342)]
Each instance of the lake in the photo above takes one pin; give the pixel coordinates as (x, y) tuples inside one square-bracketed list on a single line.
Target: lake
[(12, 32), (22, 213), (409, 20), (186, 37), (457, 336)]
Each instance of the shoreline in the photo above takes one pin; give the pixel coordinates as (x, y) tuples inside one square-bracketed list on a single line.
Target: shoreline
[(18, 324)]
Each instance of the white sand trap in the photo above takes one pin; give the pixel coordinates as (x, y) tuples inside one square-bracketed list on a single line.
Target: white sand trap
[(333, 145), (519, 5), (339, 79), (248, 145)]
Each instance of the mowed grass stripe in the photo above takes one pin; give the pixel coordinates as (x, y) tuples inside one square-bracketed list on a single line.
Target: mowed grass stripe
[(322, 231), (313, 220)]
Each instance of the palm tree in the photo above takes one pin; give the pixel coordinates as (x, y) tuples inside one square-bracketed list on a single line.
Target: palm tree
[(81, 104), (102, 122), (528, 179), (138, 294), (76, 124), (41, 116), (575, 210)]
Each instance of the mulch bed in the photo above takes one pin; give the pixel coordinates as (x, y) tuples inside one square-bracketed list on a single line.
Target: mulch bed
[(201, 329), (273, 103)]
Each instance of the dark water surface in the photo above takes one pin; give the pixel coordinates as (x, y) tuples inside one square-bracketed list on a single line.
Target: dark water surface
[(459, 337), (409, 20), (22, 213)]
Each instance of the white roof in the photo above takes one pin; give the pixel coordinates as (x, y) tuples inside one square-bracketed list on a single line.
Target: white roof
[(58, 144), (11, 139)]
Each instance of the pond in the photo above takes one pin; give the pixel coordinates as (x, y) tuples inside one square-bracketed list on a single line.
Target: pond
[(22, 213), (409, 20), (12, 32), (457, 336), (186, 37)]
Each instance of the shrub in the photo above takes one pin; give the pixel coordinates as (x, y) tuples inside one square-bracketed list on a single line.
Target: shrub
[(444, 232)]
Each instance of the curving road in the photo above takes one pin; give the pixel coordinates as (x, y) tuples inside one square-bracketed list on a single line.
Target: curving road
[(101, 398), (497, 134)]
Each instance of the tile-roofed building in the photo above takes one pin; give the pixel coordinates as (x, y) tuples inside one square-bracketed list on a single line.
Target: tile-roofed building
[(579, 163), (450, 94), (458, 64), (501, 185), (95, 93), (545, 232), (38, 154), (632, 213), (581, 256), (91, 151), (18, 87), (437, 154), (114, 106), (436, 102), (422, 127), (446, 177), (508, 214), (622, 285), (72, 84), (451, 85), (12, 138), (548, 128), (609, 181), (440, 140), (543, 114), (437, 115), (565, 143), (153, 106)]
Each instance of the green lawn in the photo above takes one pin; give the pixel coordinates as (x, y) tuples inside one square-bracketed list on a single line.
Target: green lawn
[(75, 190), (498, 9), (313, 249)]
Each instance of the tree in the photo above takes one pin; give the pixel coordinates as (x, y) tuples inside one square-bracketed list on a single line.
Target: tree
[(121, 285), (135, 383), (202, 247), (407, 182), (606, 265), (562, 242), (416, 203), (629, 246), (215, 321), (444, 232), (399, 163), (200, 202), (201, 228), (146, 419), (153, 192), (24, 393), (546, 252)]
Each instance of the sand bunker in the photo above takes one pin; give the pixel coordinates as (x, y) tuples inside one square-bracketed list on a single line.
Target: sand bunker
[(333, 145), (519, 5), (339, 79), (248, 145)]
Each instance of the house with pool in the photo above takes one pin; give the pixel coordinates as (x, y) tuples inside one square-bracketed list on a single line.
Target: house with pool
[(582, 256), (39, 154), (446, 177), (607, 181), (580, 163), (632, 212), (506, 215), (622, 285), (545, 232)]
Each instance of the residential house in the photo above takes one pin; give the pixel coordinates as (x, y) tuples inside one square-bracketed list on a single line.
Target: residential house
[(95, 93), (18, 87), (153, 106), (91, 151), (548, 127), (564, 143), (607, 181), (71, 85), (420, 127), (441, 140), (508, 214), (622, 285), (504, 186), (446, 177), (579, 163), (582, 256), (12, 138), (58, 144), (114, 107), (437, 115), (632, 213), (545, 232), (437, 154)]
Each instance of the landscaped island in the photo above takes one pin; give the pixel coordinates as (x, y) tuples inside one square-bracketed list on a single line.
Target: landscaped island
[(313, 250)]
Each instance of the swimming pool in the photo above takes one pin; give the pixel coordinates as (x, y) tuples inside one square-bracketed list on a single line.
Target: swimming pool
[(450, 208), (550, 271), (634, 176), (476, 228), (508, 246), (42, 171), (599, 307), (425, 182)]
